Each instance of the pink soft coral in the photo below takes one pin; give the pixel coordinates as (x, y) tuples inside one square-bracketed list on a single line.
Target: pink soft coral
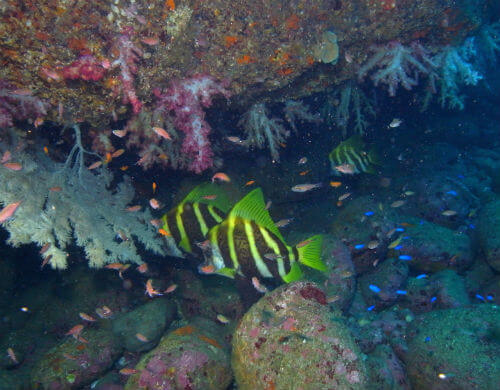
[(18, 104), (186, 99)]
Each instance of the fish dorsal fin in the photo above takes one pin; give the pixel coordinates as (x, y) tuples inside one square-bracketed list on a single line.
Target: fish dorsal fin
[(355, 142), (200, 192), (252, 207)]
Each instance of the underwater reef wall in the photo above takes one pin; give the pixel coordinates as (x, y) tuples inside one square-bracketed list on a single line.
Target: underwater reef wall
[(93, 61)]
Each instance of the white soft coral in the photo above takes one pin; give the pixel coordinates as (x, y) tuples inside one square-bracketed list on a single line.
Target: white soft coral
[(260, 130)]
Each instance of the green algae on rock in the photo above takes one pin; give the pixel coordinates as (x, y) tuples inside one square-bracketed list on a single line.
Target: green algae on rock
[(73, 364), (455, 349), (194, 357), (289, 340)]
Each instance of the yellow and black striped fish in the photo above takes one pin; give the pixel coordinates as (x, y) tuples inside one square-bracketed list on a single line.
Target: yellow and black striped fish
[(350, 157), (249, 244), (188, 223)]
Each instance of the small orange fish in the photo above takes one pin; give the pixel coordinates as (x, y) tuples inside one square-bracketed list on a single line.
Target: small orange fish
[(162, 133), (141, 337), (154, 203), (207, 269), (120, 133), (170, 289), (74, 331), (234, 139), (155, 222), (163, 232), (128, 371), (221, 176), (249, 183), (258, 286), (108, 158), (303, 243), (118, 153), (46, 150), (210, 197), (143, 268), (45, 261), (12, 355), (86, 317), (303, 173), (55, 189), (150, 41), (124, 168), (44, 248), (6, 157), (154, 187), (8, 211), (133, 209), (150, 289), (114, 266), (95, 165), (335, 184), (347, 169), (38, 121), (13, 166)]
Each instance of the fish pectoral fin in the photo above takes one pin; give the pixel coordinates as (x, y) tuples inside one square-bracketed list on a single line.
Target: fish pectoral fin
[(228, 272), (294, 274)]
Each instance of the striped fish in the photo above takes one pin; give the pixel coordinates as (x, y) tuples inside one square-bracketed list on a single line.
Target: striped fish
[(350, 153), (249, 244), (189, 222)]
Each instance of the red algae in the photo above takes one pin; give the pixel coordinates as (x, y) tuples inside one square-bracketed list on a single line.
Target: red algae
[(310, 293)]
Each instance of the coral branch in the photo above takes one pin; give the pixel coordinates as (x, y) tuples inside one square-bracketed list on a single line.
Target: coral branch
[(186, 100), (395, 65), (59, 204), (129, 55), (261, 130)]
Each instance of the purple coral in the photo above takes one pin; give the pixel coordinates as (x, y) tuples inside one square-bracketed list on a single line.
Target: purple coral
[(397, 64), (128, 56), (18, 104), (186, 100)]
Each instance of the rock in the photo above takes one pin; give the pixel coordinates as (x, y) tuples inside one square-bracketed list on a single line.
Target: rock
[(353, 227), (73, 364), (149, 320), (443, 290), (489, 239), (433, 248), (462, 344), (192, 357), (386, 370), (288, 338), (339, 282), (208, 297), (389, 277)]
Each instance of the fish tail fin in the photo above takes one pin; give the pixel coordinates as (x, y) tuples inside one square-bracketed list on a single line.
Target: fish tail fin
[(374, 157), (310, 253)]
